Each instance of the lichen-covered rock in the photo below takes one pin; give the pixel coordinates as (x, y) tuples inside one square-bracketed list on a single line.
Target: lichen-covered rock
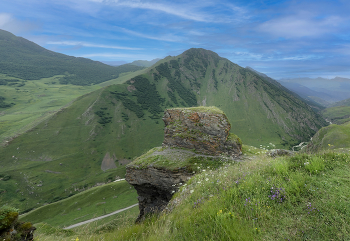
[(205, 129)]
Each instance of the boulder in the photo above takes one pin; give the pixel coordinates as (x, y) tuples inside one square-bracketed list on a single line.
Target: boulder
[(204, 129)]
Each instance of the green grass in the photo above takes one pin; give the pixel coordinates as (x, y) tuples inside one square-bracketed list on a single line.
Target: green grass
[(46, 232), (177, 158), (330, 138), (35, 102), (205, 109), (304, 197), (89, 204)]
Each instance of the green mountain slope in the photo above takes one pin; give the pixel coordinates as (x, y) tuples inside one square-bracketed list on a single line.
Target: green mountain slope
[(113, 125), (25, 60), (23, 107), (330, 138)]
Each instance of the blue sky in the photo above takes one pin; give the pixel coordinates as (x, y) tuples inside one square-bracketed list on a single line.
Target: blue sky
[(283, 39)]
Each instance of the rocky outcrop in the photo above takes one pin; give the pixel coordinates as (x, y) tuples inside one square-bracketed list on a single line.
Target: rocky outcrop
[(155, 187), (191, 135), (204, 129)]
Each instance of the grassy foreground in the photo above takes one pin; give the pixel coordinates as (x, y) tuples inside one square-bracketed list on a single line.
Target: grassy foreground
[(304, 197)]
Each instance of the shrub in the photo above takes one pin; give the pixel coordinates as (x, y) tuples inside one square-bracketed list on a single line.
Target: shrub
[(7, 216)]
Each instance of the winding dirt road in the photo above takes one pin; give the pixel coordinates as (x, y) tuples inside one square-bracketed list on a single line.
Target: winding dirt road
[(98, 218)]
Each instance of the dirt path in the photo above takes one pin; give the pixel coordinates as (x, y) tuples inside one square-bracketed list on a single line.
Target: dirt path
[(98, 218)]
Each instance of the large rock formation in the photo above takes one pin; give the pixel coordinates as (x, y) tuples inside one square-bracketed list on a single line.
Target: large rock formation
[(192, 135), (205, 129)]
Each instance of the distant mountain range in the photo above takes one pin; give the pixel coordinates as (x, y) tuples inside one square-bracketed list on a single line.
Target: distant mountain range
[(141, 63), (145, 63), (321, 90)]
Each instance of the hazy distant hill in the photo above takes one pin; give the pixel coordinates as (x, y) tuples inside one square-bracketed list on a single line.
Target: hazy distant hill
[(345, 102), (145, 63), (107, 128), (26, 60), (321, 90), (114, 63), (297, 90)]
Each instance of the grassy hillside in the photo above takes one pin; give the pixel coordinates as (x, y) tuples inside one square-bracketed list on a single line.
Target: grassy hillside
[(92, 203), (330, 138), (37, 100), (304, 197), (337, 114), (113, 125), (53, 160), (25, 60)]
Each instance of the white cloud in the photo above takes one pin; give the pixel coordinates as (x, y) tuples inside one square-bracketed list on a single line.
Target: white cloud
[(84, 44), (169, 8), (11, 24), (186, 10), (300, 25), (167, 37), (5, 19), (302, 57), (248, 55)]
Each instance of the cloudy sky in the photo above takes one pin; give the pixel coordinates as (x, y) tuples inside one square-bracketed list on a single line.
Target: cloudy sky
[(282, 39)]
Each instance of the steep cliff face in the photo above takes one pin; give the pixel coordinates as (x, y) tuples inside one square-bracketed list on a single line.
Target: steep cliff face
[(197, 135)]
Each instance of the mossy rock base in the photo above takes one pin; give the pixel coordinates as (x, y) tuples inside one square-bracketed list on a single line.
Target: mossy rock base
[(177, 159)]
